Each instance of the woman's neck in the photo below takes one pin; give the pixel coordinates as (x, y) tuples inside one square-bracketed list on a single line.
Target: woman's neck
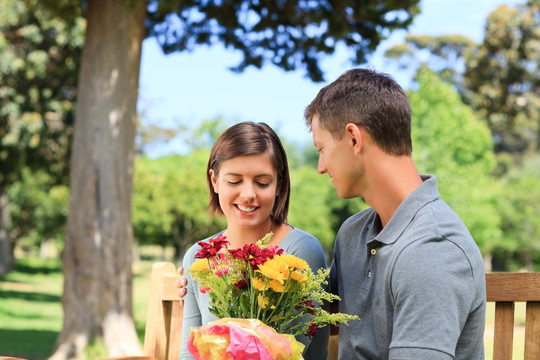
[(238, 236)]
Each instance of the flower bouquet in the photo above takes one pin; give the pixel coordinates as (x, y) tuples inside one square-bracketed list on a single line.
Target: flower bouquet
[(262, 297)]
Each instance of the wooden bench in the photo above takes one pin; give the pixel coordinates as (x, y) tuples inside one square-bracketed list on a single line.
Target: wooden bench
[(505, 289), (163, 333)]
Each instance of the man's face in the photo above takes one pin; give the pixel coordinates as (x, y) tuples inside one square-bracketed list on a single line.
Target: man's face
[(336, 158)]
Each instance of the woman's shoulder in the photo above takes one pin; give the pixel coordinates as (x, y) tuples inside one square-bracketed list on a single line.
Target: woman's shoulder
[(299, 236), (304, 245)]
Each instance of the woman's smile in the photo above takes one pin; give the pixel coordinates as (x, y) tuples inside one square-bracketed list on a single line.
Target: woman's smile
[(246, 208)]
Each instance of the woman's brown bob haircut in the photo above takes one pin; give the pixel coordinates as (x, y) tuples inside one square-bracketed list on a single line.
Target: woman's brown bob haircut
[(249, 138)]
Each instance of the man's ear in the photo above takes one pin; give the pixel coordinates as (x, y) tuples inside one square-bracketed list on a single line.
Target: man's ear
[(354, 132)]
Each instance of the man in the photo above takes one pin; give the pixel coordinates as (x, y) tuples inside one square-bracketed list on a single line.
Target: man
[(407, 266)]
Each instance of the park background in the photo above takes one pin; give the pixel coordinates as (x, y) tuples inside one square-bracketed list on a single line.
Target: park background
[(473, 85)]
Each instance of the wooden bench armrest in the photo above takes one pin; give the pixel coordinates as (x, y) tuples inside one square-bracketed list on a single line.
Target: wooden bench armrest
[(164, 317)]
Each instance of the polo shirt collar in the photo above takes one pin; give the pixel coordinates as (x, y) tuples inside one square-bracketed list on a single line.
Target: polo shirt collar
[(405, 213)]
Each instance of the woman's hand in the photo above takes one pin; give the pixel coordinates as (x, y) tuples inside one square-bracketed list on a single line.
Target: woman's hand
[(181, 284)]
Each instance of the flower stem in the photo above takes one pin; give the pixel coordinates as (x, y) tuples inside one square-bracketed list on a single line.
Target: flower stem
[(281, 297), (262, 299)]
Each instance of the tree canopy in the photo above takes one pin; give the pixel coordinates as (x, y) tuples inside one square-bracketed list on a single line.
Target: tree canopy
[(499, 78), (502, 78), (39, 59), (40, 55), (291, 34)]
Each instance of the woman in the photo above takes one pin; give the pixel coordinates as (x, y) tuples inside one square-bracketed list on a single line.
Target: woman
[(248, 181)]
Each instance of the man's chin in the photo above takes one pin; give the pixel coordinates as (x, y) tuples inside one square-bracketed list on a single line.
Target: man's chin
[(345, 195)]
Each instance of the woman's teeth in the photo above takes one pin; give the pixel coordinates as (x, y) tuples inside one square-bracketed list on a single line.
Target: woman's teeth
[(246, 208)]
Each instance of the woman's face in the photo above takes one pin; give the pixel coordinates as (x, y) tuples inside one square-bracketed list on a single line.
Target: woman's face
[(247, 189)]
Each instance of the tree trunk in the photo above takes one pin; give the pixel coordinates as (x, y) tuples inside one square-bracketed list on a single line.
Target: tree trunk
[(97, 256), (6, 250)]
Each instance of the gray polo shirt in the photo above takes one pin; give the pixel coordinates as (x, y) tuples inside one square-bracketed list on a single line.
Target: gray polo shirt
[(418, 285), (196, 313)]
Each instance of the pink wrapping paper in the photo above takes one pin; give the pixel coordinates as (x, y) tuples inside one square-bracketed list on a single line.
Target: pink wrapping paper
[(242, 339)]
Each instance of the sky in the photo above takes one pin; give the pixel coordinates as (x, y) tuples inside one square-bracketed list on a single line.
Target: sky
[(189, 87)]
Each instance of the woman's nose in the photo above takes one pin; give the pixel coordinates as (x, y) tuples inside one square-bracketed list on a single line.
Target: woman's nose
[(248, 191)]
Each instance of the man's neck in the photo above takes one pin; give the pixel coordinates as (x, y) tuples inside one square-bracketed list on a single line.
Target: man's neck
[(392, 180)]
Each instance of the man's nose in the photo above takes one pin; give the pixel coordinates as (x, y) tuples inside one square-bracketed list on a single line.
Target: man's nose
[(321, 169)]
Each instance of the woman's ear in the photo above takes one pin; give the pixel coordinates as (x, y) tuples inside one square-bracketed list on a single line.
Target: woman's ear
[(214, 180), (354, 132)]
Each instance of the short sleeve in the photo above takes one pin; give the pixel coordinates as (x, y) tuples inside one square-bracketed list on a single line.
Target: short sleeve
[(436, 275)]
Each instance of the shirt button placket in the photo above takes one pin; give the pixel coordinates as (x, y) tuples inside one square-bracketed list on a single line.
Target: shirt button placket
[(373, 253)]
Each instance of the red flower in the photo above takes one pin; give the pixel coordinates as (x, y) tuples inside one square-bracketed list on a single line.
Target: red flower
[(253, 254), (309, 304), (204, 290), (221, 272), (277, 250), (242, 284), (212, 247), (312, 330)]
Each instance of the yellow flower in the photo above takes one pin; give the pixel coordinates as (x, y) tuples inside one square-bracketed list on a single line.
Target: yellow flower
[(294, 262), (276, 286), (275, 269), (258, 283), (264, 303), (298, 276), (200, 265)]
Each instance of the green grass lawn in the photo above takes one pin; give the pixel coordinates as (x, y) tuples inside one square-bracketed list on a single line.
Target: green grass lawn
[(31, 310)]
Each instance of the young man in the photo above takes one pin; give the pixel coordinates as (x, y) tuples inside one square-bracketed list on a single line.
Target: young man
[(407, 266)]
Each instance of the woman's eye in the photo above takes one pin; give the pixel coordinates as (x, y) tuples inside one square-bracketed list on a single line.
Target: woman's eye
[(263, 184), (233, 182)]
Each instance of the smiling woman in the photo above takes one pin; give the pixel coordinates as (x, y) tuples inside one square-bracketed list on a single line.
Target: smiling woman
[(248, 183)]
